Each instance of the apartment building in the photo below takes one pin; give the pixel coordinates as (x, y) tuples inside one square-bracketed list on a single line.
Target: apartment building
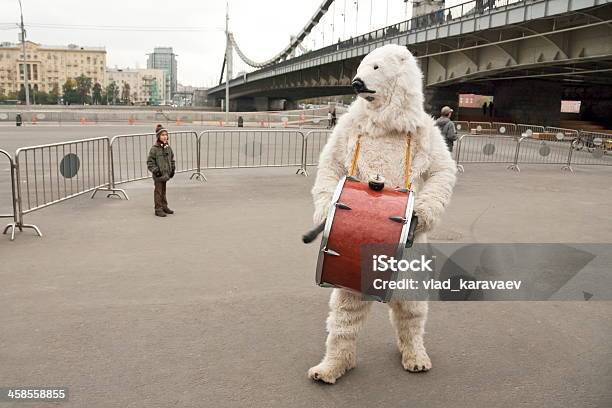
[(147, 86), (49, 65)]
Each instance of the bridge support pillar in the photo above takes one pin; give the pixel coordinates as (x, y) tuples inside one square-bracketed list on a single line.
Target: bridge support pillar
[(530, 101), (261, 103), (436, 98)]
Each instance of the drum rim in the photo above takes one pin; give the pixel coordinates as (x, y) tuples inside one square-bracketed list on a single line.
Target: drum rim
[(328, 224), (401, 246), (406, 227)]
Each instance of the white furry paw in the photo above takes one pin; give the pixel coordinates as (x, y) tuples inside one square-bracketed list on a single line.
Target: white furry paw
[(320, 214), (329, 372), (425, 218), (416, 362)]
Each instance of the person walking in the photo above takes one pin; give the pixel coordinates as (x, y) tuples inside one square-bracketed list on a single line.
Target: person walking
[(447, 127), (162, 166)]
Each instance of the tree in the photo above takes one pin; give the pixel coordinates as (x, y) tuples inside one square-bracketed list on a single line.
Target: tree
[(97, 94), (125, 93), (70, 93), (83, 87), (40, 97), (54, 95), (21, 94), (112, 93)]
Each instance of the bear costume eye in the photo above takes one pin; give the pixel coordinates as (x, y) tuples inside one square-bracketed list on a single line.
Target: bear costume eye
[(375, 66)]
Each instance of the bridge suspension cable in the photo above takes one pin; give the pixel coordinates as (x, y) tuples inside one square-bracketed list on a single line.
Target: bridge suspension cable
[(295, 43)]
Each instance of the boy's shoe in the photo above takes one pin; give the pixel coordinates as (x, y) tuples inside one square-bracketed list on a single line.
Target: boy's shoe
[(167, 210), (160, 212)]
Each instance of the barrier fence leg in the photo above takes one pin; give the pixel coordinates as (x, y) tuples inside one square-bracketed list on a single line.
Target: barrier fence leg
[(514, 165), (113, 191), (568, 165), (13, 224), (17, 208), (198, 175), (302, 169), (460, 168)]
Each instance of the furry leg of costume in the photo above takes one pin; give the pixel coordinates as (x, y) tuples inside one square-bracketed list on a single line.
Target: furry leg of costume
[(346, 317), (408, 319)]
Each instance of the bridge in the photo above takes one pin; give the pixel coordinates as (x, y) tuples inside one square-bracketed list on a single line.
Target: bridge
[(523, 52)]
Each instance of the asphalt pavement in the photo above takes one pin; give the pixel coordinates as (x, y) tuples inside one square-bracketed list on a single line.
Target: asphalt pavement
[(216, 305)]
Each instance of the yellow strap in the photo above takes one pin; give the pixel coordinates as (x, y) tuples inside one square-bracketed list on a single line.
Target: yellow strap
[(355, 155), (407, 183)]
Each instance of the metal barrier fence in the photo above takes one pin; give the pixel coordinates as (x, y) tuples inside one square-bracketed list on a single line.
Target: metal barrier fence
[(529, 130), (528, 150), (485, 149), (462, 126), (314, 141), (507, 143), (503, 128), (480, 127), (129, 153), (51, 173), (47, 174), (560, 133), (222, 149), (591, 148), (13, 214), (535, 151)]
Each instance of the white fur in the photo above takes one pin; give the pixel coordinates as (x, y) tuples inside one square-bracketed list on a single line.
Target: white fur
[(383, 123)]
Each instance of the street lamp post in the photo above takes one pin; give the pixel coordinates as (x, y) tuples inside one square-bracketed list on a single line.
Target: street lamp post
[(228, 62), (387, 14), (25, 65), (344, 21), (356, 18)]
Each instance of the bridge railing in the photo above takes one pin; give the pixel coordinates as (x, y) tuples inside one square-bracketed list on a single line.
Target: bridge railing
[(473, 8)]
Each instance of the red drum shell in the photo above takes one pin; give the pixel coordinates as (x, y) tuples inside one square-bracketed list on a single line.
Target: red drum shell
[(367, 222)]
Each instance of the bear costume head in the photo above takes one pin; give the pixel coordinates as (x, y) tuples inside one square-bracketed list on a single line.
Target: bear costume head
[(389, 84)]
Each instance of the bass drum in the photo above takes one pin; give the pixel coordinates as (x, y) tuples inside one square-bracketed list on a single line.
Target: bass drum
[(361, 218)]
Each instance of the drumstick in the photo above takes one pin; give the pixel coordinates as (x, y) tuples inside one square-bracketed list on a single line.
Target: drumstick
[(311, 235), (411, 230)]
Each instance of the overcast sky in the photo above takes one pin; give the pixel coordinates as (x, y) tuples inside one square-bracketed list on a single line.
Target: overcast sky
[(194, 28)]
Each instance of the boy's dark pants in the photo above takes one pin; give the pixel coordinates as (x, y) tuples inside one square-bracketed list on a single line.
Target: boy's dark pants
[(160, 195)]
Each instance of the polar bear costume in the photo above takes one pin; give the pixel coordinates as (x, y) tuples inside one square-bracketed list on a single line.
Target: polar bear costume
[(389, 108)]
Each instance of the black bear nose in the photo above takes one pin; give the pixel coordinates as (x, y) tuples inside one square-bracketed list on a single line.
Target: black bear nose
[(358, 85)]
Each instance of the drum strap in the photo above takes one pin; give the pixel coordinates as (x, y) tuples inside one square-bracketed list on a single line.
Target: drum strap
[(407, 182)]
